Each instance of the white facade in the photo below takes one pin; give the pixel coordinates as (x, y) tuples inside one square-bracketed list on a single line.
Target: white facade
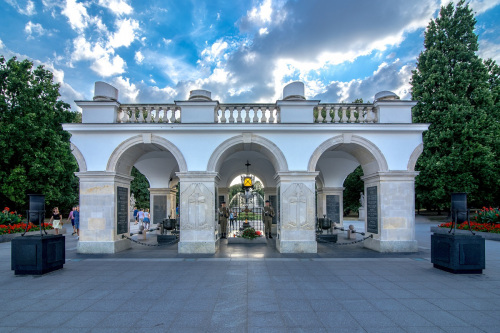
[(204, 144)]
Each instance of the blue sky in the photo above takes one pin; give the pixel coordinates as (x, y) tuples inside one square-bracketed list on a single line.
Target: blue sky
[(243, 51)]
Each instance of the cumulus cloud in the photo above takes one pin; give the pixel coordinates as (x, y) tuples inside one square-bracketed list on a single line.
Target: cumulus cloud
[(489, 49), (117, 7), (139, 57), (28, 9), (480, 6), (77, 14), (33, 30), (393, 76), (125, 33), (104, 63)]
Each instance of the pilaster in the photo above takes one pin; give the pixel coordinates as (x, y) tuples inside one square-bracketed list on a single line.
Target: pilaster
[(197, 212), (296, 228), (390, 211), (104, 212)]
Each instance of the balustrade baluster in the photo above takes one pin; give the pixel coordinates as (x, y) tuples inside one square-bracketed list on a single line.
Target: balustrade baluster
[(231, 116), (140, 119), (133, 115), (328, 116), (255, 117), (320, 116), (222, 115), (125, 116), (352, 118), (247, 116), (119, 115), (344, 115), (160, 110), (375, 115), (362, 115), (336, 118), (238, 114), (271, 115), (148, 114)]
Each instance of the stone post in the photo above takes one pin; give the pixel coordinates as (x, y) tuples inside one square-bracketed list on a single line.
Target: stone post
[(158, 203), (296, 232), (197, 212), (104, 212), (390, 211)]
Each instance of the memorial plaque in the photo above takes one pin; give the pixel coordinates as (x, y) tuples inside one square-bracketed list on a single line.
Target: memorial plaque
[(159, 208), (371, 210), (272, 202), (333, 208), (121, 210)]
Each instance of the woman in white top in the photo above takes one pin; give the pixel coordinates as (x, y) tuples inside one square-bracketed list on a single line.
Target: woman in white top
[(55, 219)]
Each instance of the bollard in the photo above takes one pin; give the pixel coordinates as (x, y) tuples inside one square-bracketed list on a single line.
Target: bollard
[(351, 233), (142, 232)]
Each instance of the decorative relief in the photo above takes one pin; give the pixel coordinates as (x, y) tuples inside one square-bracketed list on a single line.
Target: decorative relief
[(196, 204), (298, 207)]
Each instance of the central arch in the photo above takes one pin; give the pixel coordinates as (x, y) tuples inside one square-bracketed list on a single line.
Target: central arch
[(247, 141)]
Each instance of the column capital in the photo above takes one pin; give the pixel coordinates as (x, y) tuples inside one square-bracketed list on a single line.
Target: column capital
[(103, 176), (391, 176), (293, 176), (194, 176)]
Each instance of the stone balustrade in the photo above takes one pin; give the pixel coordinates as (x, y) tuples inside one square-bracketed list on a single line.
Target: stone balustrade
[(247, 113), (345, 113), (149, 113)]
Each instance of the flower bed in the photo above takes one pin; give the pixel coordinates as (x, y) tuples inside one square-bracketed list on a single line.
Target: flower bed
[(9, 217), (475, 226), (20, 227), (250, 233), (488, 215)]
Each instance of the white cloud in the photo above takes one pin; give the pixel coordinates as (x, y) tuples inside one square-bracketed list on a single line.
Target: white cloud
[(139, 57), (28, 10), (128, 91), (480, 6), (34, 30), (214, 52), (488, 49), (125, 34), (76, 14), (262, 13), (118, 7), (2, 45), (109, 65)]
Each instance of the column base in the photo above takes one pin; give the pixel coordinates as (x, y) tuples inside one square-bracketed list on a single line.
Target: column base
[(198, 247), (391, 246), (296, 246), (103, 247)]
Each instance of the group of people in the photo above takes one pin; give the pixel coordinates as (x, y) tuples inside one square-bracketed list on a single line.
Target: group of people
[(225, 213), (142, 217), (74, 216)]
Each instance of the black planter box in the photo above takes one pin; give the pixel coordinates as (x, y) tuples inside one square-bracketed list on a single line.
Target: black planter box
[(37, 255), (458, 254)]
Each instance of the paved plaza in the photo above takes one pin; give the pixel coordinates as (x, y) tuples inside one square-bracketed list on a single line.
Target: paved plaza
[(252, 288)]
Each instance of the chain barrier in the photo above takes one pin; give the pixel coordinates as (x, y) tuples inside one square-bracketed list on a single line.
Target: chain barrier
[(319, 240), (151, 245)]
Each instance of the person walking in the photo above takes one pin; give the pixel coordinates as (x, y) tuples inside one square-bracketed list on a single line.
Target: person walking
[(231, 219), (76, 214), (72, 218), (55, 219), (268, 219), (147, 219), (140, 216), (223, 215), (135, 214)]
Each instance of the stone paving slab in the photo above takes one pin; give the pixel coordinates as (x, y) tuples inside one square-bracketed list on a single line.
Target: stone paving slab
[(337, 290)]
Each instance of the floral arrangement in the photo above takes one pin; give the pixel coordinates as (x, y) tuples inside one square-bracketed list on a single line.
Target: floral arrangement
[(488, 215), (250, 233), (20, 227), (9, 217), (475, 226)]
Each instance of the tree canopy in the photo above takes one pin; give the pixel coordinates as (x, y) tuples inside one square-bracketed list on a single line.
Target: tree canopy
[(454, 91), (139, 186), (36, 155)]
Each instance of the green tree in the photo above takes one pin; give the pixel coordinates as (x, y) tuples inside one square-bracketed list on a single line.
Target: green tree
[(353, 185), (36, 155), (450, 84), (140, 188)]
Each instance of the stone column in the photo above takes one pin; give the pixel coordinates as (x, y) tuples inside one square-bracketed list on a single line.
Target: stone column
[(104, 212), (172, 203), (320, 203), (296, 230), (390, 211), (158, 203), (197, 212)]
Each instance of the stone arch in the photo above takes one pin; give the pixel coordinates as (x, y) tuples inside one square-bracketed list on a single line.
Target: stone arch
[(82, 164), (120, 151), (414, 157), (242, 142), (369, 150)]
